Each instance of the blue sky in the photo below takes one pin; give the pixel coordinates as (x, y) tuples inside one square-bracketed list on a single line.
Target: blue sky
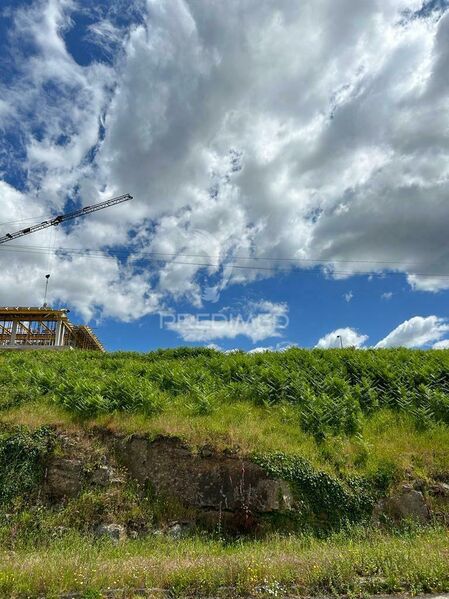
[(288, 165), (316, 307)]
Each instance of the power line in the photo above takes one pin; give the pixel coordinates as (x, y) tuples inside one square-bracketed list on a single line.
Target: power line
[(212, 257), (152, 257)]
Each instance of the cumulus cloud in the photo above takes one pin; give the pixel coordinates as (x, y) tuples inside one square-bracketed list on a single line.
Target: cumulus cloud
[(55, 103), (444, 344), (310, 166), (259, 321), (279, 347), (416, 332), (347, 336), (243, 129)]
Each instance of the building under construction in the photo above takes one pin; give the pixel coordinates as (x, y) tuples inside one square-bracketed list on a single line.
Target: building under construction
[(43, 328)]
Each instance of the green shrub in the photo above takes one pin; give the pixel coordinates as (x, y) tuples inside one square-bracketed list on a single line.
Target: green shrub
[(325, 414), (130, 394), (325, 500), (81, 396), (22, 461), (333, 390)]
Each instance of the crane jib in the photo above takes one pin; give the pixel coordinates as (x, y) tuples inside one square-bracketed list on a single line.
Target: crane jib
[(64, 217)]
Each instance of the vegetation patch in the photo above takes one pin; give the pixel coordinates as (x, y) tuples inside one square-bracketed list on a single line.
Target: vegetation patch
[(341, 426), (333, 390), (22, 462), (356, 415), (357, 562), (322, 499)]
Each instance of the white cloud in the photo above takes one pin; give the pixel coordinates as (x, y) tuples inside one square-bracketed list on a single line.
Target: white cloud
[(387, 295), (55, 103), (347, 336), (279, 347), (416, 332), (242, 129), (444, 344), (259, 321), (214, 346), (348, 296)]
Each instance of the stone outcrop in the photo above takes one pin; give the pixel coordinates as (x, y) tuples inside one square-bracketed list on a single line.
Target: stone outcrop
[(405, 503), (115, 532), (64, 477), (206, 480), (440, 489), (104, 475), (215, 488), (77, 464), (218, 487)]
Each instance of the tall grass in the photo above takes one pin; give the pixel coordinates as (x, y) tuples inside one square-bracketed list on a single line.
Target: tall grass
[(343, 409), (355, 563), (331, 388), (327, 416)]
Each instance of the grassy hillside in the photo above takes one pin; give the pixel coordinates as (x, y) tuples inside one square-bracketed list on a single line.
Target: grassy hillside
[(342, 409), (344, 426)]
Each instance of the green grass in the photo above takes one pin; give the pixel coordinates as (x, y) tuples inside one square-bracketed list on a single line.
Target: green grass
[(337, 423), (346, 411), (331, 389), (355, 563)]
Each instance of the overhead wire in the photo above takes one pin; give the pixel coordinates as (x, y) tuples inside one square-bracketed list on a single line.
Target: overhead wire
[(160, 257), (212, 257), (155, 257)]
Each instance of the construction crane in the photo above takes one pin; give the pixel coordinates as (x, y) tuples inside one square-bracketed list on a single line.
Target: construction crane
[(62, 218)]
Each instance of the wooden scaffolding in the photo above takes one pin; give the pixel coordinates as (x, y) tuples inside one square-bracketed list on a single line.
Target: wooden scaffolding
[(43, 328)]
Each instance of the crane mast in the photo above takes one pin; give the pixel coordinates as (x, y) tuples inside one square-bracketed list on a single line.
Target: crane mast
[(65, 217)]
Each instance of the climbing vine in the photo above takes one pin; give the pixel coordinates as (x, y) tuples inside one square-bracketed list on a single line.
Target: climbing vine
[(22, 455), (326, 500)]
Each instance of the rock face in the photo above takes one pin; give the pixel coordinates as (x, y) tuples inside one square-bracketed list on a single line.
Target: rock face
[(218, 487), (405, 503), (209, 481), (440, 489), (215, 488), (64, 477), (104, 476), (115, 532)]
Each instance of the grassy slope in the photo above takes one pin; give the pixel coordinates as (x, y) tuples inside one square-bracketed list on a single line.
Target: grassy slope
[(347, 412)]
